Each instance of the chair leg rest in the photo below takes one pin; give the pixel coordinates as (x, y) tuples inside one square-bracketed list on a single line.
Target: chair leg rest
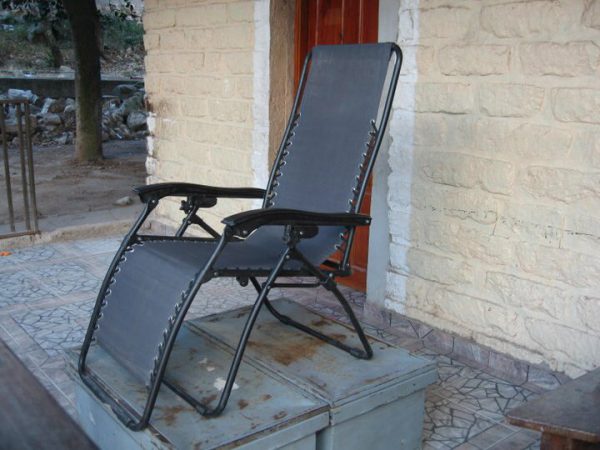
[(356, 352), (367, 353)]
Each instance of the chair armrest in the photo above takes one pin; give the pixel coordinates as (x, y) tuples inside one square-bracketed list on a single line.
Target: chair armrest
[(245, 222), (160, 190)]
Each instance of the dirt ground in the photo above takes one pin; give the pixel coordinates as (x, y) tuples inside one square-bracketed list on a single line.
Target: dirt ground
[(64, 186)]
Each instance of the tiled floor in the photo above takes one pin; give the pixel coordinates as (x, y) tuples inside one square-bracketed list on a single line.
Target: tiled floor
[(47, 293)]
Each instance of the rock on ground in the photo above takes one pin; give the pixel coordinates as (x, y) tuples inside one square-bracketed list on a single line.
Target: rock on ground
[(54, 119)]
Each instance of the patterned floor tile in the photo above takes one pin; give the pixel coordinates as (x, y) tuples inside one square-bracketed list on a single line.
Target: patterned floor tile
[(56, 329), (408, 343), (67, 278), (484, 393), (21, 287), (467, 446), (98, 264), (474, 389), (34, 254), (450, 370), (402, 326), (48, 295), (447, 425)]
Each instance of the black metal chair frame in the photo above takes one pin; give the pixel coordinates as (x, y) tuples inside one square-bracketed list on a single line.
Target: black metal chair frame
[(298, 225)]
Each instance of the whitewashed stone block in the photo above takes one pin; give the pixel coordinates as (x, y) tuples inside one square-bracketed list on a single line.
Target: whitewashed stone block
[(564, 185), (474, 59), (591, 15), (452, 98), (511, 100), (575, 269), (466, 171), (577, 105), (446, 21), (521, 19), (564, 60)]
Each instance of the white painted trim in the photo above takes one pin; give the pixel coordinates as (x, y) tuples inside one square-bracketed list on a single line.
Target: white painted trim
[(379, 231), (261, 85), (400, 157)]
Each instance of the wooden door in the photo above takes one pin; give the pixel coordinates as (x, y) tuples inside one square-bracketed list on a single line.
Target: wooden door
[(339, 22)]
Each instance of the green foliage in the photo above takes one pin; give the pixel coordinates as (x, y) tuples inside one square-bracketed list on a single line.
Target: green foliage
[(122, 27), (40, 32), (20, 32), (17, 51), (126, 11), (49, 58), (38, 22), (120, 33), (36, 10)]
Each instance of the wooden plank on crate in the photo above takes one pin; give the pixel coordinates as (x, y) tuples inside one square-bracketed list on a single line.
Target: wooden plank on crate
[(30, 418), (568, 417)]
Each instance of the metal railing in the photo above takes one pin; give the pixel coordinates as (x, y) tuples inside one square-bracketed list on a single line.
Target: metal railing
[(15, 119)]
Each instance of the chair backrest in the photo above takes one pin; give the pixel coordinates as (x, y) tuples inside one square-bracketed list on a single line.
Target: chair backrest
[(327, 145), (335, 130)]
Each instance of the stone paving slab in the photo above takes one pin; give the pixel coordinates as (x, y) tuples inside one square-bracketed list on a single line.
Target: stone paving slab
[(48, 292)]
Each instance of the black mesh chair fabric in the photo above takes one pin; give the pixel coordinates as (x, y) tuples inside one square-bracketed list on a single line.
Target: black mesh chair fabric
[(151, 280), (341, 97)]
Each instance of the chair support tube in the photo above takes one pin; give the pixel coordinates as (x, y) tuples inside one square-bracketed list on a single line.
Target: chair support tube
[(329, 283), (237, 359)]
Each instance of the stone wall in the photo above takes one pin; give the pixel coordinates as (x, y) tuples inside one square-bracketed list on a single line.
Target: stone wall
[(200, 82), (494, 164), (494, 190)]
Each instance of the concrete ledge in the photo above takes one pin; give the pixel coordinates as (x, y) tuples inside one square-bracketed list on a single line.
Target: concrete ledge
[(115, 221)]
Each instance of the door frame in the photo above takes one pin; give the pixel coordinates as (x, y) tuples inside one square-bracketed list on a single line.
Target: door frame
[(307, 32), (379, 242)]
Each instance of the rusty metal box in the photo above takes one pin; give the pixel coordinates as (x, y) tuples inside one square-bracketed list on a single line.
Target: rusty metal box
[(375, 405), (263, 412)]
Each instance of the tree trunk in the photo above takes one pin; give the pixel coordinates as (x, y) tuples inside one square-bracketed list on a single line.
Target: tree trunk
[(57, 59), (85, 27)]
